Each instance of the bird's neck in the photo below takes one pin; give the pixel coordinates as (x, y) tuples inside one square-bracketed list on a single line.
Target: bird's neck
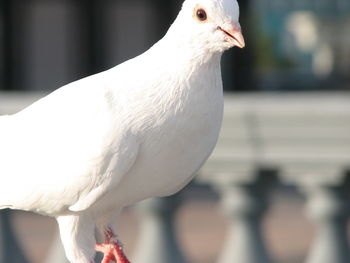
[(192, 72), (170, 51)]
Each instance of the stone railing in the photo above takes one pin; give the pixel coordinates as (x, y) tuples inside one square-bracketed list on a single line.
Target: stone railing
[(267, 140), (302, 140)]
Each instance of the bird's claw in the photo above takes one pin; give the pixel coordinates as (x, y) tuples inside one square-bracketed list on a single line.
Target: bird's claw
[(112, 249)]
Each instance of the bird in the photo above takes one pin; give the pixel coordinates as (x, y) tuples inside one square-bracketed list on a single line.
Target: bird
[(138, 130)]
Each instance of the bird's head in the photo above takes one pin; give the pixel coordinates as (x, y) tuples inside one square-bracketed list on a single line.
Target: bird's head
[(210, 24)]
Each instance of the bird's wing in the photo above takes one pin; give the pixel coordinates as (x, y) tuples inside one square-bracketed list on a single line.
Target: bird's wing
[(119, 163), (65, 150)]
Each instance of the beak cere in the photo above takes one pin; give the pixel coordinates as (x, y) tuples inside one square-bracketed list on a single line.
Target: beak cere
[(235, 34)]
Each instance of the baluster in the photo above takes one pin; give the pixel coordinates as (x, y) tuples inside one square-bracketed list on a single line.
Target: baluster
[(157, 239), (328, 207), (10, 250), (244, 201)]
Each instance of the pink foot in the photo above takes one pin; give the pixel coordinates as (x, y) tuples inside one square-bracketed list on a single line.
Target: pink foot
[(112, 249)]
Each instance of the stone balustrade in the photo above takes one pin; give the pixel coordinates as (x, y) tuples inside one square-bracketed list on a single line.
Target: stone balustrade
[(267, 140), (303, 140)]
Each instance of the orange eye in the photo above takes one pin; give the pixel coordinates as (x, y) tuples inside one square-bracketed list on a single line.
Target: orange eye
[(201, 14)]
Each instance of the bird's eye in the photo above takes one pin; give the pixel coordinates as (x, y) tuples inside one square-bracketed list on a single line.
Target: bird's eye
[(201, 14)]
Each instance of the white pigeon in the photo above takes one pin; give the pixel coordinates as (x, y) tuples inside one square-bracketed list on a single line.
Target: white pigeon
[(138, 130)]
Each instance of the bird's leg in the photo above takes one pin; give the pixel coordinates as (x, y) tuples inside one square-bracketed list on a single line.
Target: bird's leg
[(112, 249)]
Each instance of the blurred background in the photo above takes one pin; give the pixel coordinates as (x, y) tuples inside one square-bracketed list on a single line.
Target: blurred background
[(276, 188), (293, 45)]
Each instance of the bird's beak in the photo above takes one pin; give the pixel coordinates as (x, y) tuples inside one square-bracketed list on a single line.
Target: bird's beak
[(235, 33)]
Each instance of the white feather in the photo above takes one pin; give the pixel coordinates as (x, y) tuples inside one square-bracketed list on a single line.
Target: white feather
[(138, 130)]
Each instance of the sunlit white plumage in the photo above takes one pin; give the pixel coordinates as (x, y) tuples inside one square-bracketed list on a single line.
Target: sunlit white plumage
[(138, 130)]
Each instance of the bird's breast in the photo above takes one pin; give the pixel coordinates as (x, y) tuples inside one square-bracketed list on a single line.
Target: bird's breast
[(176, 142)]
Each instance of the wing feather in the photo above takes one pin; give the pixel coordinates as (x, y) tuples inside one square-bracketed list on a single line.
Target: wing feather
[(64, 151)]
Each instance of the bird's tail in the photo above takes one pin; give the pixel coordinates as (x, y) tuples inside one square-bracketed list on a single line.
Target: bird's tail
[(3, 120), (3, 146)]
